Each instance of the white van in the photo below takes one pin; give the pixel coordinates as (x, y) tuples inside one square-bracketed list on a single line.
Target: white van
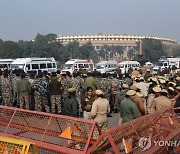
[(35, 64), (6, 63), (167, 62), (106, 66), (125, 65), (77, 64)]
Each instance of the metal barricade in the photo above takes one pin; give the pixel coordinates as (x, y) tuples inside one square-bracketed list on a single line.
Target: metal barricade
[(141, 135), (14, 146), (51, 133)]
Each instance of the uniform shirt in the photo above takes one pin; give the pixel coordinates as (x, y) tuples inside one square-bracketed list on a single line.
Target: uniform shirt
[(100, 109), (162, 102), (128, 110), (70, 107), (23, 86), (140, 105), (91, 82), (55, 87)]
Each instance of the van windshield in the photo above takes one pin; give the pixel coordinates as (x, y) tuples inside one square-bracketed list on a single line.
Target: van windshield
[(159, 64), (121, 66), (67, 66), (100, 66), (17, 66)]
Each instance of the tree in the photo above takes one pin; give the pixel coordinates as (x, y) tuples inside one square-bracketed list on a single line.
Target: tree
[(10, 49), (152, 49), (73, 49)]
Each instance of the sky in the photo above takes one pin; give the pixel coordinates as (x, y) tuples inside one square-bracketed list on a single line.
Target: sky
[(24, 19)]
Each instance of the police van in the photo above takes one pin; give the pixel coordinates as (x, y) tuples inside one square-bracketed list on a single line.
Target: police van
[(5, 63), (35, 64), (78, 64), (106, 66), (125, 65), (166, 63)]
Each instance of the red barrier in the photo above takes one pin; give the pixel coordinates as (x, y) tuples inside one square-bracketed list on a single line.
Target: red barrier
[(140, 135), (50, 132)]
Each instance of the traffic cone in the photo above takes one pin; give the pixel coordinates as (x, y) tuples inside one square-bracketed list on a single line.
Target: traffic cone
[(66, 133), (127, 146)]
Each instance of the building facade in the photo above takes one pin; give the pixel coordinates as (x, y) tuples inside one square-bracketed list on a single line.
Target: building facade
[(99, 40)]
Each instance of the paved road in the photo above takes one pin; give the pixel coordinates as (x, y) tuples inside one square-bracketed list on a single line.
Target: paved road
[(114, 120)]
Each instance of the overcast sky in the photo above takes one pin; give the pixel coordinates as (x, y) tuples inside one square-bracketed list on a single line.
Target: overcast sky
[(23, 19)]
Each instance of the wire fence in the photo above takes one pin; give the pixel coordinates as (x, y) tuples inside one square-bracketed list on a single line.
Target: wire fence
[(50, 132), (142, 135)]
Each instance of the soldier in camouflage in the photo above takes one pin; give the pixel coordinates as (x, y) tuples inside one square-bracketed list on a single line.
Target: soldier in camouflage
[(77, 82), (55, 88), (41, 89), (66, 84), (15, 80), (6, 87)]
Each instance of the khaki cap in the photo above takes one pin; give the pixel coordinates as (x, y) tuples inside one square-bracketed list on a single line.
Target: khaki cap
[(157, 89), (172, 83), (160, 77), (99, 92), (131, 92), (139, 94), (171, 88), (162, 81), (133, 87), (84, 75), (164, 91), (178, 78), (71, 90), (125, 86), (63, 73), (178, 88), (132, 77), (154, 79)]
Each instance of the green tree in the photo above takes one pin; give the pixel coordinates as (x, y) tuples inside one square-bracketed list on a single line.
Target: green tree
[(73, 49), (10, 49), (152, 49)]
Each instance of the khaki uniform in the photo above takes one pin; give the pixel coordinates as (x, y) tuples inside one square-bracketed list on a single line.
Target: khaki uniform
[(162, 102), (150, 103), (135, 73), (140, 105), (99, 111)]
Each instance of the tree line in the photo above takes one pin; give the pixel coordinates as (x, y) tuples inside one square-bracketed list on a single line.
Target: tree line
[(47, 46)]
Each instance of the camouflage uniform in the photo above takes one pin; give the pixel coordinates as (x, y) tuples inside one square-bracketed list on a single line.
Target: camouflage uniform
[(23, 90), (14, 86), (32, 102), (66, 84), (115, 88), (55, 94), (105, 86), (41, 88), (6, 87), (77, 83)]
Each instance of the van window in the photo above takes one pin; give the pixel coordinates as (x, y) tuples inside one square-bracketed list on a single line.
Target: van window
[(86, 65), (49, 65), (35, 66), (54, 65), (80, 66), (91, 65), (42, 66), (28, 67)]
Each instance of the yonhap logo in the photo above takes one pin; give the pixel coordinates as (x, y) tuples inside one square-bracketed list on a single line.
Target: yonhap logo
[(145, 143)]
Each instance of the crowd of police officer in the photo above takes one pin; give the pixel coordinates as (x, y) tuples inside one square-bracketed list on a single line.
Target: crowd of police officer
[(133, 94)]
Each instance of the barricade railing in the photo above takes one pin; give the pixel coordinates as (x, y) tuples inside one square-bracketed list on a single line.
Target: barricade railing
[(50, 132), (141, 135), (14, 146)]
